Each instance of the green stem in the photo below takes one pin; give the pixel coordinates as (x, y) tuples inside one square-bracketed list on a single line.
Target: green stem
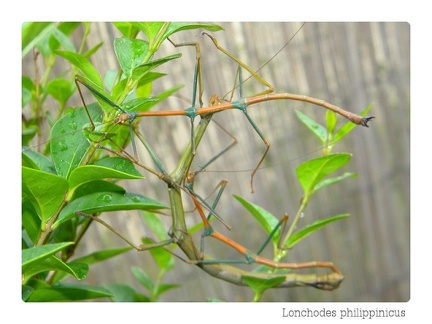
[(283, 251)]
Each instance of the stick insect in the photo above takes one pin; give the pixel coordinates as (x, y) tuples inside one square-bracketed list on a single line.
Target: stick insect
[(217, 105), (250, 257), (223, 268)]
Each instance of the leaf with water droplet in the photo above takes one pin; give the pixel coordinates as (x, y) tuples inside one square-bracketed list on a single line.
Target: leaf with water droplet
[(107, 198), (68, 148), (108, 201)]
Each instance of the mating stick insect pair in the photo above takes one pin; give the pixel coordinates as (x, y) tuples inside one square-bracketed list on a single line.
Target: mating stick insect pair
[(182, 180)]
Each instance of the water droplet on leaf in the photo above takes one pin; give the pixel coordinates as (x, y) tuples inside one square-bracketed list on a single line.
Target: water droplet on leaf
[(105, 198)]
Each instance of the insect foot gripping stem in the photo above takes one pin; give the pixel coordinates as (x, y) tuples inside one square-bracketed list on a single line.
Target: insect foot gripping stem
[(365, 120)]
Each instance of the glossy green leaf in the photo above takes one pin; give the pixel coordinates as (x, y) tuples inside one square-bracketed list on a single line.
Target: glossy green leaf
[(44, 190), (35, 254), (311, 228), (35, 160), (141, 71), (310, 173), (130, 53), (110, 167), (107, 201), (97, 186), (83, 64), (31, 223), (68, 143), (52, 263), (126, 28), (67, 292), (150, 29)]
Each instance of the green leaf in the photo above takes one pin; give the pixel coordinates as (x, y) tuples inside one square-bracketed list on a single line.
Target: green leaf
[(110, 167), (67, 292), (137, 104), (31, 222), (124, 293), (163, 258), (310, 173), (107, 201), (162, 288), (60, 89), (267, 220), (93, 50), (41, 258), (130, 53), (317, 129), (331, 118), (35, 160), (83, 64), (63, 40), (334, 180), (141, 71), (97, 186), (33, 32), (68, 143), (38, 253), (162, 96), (259, 285), (179, 26), (311, 228), (45, 191), (150, 29), (102, 255), (93, 258), (143, 278), (126, 28), (52, 263), (156, 225)]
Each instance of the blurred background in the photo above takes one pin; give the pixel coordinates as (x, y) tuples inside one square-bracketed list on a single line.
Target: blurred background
[(350, 65)]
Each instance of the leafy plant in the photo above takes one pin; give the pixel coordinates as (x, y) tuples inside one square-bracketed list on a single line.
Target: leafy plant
[(70, 174)]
